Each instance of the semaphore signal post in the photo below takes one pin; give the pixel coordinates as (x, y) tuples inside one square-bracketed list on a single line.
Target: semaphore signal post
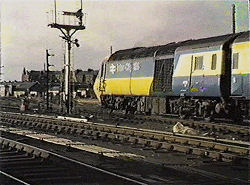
[(68, 30)]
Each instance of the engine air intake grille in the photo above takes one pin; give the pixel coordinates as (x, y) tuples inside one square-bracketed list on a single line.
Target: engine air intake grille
[(163, 75)]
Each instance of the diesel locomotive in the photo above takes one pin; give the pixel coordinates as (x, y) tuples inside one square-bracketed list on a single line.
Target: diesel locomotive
[(208, 77)]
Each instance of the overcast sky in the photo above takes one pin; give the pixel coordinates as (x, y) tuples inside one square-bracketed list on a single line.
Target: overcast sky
[(123, 24)]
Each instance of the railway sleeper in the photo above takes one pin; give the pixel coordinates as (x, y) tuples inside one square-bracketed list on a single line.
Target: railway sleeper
[(111, 136), (156, 144), (133, 140), (245, 132), (221, 147), (140, 134), (169, 139), (19, 123), (12, 121), (158, 137), (34, 124), (88, 132), (9, 120), (49, 127), (122, 131), (183, 149), (210, 126), (181, 140), (207, 144), (24, 123), (3, 119), (79, 131), (7, 123), (114, 130), (194, 142), (167, 146), (54, 128), (39, 125), (73, 131), (241, 151), (5, 143), (29, 124), (19, 147), (60, 129), (103, 135), (226, 157), (123, 138), (44, 126), (41, 154), (143, 142), (106, 129), (199, 151), (12, 145), (28, 150), (214, 155), (149, 136), (68, 130), (95, 128), (96, 134)]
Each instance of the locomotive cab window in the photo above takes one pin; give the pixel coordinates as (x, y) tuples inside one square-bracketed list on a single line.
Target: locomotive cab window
[(102, 71), (214, 60), (198, 65), (235, 61)]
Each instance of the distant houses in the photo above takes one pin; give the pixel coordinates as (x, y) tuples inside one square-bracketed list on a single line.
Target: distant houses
[(28, 89), (19, 89), (34, 84), (5, 89), (84, 83)]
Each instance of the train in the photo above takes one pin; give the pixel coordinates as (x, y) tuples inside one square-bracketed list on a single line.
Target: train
[(205, 78)]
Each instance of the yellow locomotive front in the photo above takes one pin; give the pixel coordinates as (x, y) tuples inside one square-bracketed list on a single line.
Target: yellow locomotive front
[(123, 79)]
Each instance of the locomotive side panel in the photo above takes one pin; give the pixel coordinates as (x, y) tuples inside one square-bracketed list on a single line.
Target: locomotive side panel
[(129, 77), (117, 81), (142, 76), (198, 72)]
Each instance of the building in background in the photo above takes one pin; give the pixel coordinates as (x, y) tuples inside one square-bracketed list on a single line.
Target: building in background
[(82, 85), (6, 89)]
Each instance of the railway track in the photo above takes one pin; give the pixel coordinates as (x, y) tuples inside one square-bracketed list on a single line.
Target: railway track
[(222, 129), (26, 164), (143, 172), (218, 149)]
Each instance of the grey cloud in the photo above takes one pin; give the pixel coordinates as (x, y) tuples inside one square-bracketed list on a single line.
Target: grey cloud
[(123, 24)]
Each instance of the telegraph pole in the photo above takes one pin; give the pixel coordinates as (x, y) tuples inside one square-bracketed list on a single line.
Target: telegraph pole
[(1, 71), (111, 50), (233, 18), (47, 65), (68, 30)]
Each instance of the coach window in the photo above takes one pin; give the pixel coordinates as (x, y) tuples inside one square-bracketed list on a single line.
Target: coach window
[(235, 60), (198, 65), (214, 60)]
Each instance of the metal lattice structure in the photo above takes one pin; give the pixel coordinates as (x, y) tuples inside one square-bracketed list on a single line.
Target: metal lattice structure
[(68, 30)]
